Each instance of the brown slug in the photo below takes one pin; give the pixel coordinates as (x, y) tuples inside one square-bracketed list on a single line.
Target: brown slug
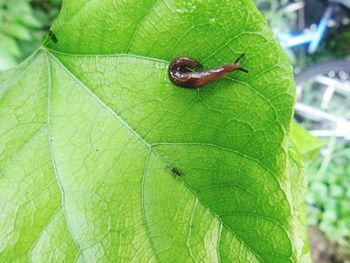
[(181, 76)]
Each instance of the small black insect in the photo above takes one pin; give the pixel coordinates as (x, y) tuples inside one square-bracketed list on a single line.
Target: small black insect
[(180, 75), (53, 36), (175, 171)]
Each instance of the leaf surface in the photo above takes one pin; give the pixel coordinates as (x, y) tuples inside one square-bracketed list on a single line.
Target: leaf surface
[(307, 144), (92, 130)]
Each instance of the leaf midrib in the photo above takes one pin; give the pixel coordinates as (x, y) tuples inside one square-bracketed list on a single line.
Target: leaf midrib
[(56, 174)]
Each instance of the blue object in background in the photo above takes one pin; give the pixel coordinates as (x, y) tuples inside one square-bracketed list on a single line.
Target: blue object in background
[(313, 38)]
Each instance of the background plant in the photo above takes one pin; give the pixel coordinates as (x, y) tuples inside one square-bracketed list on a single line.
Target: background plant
[(23, 25), (329, 192)]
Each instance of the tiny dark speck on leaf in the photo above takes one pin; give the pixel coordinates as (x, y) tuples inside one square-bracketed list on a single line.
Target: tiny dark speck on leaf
[(53, 36), (175, 171)]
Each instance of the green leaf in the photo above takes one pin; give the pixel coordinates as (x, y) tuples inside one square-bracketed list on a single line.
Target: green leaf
[(308, 145), (29, 20), (298, 188), (20, 12), (9, 46), (92, 129), (17, 31)]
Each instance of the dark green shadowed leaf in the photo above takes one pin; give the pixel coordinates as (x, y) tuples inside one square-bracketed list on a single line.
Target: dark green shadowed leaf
[(92, 129)]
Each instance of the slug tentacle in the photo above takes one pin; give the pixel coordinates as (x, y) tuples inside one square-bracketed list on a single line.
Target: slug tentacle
[(180, 75)]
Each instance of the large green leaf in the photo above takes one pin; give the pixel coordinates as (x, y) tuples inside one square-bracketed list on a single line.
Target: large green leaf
[(91, 129)]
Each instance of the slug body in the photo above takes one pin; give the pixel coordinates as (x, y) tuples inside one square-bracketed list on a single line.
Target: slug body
[(181, 76)]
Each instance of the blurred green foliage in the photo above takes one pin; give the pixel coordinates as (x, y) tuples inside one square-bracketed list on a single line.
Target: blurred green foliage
[(337, 45), (23, 25), (274, 13), (329, 192)]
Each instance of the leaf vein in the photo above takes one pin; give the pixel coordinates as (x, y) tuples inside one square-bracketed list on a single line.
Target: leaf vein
[(139, 24), (143, 202), (53, 158)]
